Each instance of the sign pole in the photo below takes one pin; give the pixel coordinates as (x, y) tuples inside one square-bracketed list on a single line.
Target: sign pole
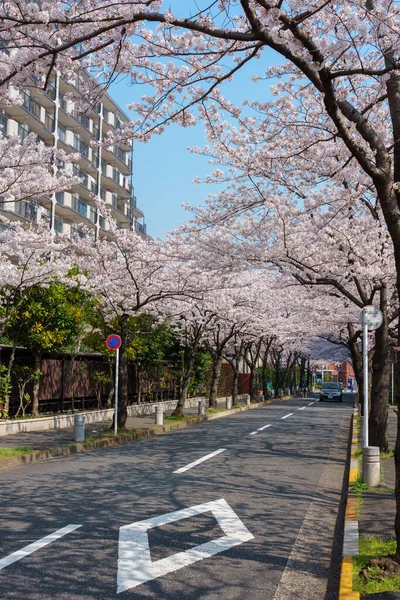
[(365, 377), (113, 342), (116, 392)]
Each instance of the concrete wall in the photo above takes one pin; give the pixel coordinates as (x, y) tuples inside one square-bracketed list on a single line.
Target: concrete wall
[(94, 416)]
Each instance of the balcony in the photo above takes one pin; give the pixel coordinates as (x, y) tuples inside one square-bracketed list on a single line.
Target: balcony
[(27, 210), (79, 206), (140, 227), (118, 204), (120, 154), (81, 147), (84, 179), (51, 91), (75, 232), (30, 105), (83, 120), (96, 133)]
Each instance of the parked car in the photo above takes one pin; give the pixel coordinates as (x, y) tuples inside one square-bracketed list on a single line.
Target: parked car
[(331, 391)]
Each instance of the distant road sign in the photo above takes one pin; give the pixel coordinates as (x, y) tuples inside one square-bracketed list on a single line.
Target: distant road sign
[(113, 342)]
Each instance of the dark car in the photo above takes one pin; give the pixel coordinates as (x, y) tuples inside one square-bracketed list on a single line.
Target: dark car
[(331, 391)]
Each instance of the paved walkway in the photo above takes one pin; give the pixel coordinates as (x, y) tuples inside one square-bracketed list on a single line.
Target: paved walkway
[(46, 440), (378, 508)]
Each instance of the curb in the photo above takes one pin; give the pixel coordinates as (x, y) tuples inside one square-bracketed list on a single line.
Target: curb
[(350, 540), (80, 447)]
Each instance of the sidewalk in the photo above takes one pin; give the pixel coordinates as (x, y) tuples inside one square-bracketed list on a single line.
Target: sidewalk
[(52, 438), (42, 445), (378, 504)]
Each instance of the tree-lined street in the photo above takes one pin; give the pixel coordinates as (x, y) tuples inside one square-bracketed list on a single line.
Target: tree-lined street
[(280, 471)]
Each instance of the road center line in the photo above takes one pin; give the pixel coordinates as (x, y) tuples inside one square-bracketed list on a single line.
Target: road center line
[(200, 460), (286, 416), (264, 427), (302, 408), (253, 433), (310, 403), (12, 558)]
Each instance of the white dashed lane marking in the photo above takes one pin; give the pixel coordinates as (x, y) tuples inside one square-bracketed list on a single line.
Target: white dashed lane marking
[(200, 460), (264, 427), (286, 416), (12, 558)]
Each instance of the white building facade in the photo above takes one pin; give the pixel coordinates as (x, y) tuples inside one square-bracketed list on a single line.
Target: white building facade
[(104, 174)]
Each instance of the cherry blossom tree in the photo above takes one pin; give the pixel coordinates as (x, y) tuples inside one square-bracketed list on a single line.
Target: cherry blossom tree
[(26, 169), (28, 257), (128, 275)]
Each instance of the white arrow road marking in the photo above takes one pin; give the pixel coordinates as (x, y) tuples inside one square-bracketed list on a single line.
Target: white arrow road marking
[(12, 558), (200, 460), (264, 427), (134, 561), (286, 416)]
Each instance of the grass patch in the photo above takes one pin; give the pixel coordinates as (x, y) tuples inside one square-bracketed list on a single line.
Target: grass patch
[(172, 419), (369, 548), (358, 452), (215, 410), (388, 454), (359, 485), (4, 452), (236, 406)]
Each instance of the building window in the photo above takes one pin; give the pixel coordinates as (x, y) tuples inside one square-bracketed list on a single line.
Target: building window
[(49, 122), (58, 225), (60, 198), (3, 124), (61, 133), (23, 131)]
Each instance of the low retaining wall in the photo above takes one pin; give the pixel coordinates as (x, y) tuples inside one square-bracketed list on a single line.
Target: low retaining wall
[(95, 416)]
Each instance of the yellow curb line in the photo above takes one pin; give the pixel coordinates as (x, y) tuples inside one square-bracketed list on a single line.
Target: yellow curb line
[(346, 591), (346, 581)]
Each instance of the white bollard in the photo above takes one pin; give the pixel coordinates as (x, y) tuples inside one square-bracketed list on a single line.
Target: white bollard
[(159, 415), (247, 399), (79, 428), (228, 402), (371, 466), (202, 408)]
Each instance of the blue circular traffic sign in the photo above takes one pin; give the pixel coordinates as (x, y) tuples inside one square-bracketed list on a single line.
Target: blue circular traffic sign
[(113, 342)]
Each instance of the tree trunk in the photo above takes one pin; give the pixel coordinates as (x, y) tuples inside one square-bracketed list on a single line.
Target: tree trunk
[(235, 385), (381, 370), (277, 374), (252, 382), (36, 385), (187, 376), (309, 377), (215, 378), (264, 378), (9, 368), (123, 375), (302, 372)]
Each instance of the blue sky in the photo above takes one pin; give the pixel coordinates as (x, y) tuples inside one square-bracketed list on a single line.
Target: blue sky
[(163, 167)]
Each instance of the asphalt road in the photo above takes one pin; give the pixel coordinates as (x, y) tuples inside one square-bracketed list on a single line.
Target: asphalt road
[(257, 519)]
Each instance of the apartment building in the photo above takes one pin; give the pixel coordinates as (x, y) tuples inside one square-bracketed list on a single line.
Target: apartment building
[(104, 174)]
